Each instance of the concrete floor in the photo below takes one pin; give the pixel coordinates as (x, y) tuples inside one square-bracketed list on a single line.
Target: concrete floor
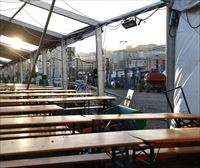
[(151, 102)]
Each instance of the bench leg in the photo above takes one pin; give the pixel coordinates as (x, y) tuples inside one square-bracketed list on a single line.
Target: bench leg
[(116, 163), (73, 128), (152, 157)]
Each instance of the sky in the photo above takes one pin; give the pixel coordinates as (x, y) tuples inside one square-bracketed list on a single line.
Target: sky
[(153, 31)]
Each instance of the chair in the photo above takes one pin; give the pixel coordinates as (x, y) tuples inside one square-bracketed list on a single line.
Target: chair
[(125, 109)]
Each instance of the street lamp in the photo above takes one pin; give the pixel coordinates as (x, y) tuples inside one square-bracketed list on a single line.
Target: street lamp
[(123, 43)]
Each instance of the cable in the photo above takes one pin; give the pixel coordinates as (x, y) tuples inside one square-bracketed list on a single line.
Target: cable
[(36, 35), (150, 15), (104, 38), (16, 53), (140, 20), (10, 1), (189, 25), (37, 21), (2, 10), (33, 18), (188, 20), (74, 9), (115, 27)]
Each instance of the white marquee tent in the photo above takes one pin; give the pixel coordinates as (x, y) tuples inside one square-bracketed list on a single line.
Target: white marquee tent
[(187, 56)]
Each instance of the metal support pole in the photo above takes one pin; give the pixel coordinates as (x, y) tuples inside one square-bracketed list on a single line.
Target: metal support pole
[(170, 67), (64, 65), (41, 42), (76, 69), (44, 62), (99, 58), (21, 72), (14, 73), (17, 11), (50, 68)]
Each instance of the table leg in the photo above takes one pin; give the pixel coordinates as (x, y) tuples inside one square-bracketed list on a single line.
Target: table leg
[(152, 156), (114, 157), (124, 162), (73, 128)]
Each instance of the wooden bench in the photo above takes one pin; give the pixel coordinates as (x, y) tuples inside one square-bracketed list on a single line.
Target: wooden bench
[(83, 108), (55, 161), (33, 129), (33, 135), (164, 153), (23, 115)]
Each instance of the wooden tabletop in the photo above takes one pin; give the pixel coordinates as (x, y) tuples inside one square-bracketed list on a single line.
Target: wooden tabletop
[(55, 100), (40, 121), (168, 135), (142, 116), (64, 143), (97, 140), (17, 95), (6, 110), (38, 88), (39, 91)]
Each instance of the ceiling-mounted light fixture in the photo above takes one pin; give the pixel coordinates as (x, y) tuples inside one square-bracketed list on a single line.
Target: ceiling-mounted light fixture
[(128, 23)]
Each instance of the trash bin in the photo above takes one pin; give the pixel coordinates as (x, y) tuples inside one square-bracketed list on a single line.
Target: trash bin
[(120, 109)]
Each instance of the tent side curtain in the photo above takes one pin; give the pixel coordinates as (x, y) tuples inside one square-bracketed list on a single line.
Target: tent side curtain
[(187, 60), (182, 5)]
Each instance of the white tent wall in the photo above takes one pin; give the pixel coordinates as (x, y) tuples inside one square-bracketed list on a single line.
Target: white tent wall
[(187, 56)]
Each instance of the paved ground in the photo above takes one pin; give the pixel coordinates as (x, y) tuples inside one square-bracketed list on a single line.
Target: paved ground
[(151, 102)]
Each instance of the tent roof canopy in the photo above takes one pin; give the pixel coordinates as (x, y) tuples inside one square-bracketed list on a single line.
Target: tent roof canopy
[(72, 24)]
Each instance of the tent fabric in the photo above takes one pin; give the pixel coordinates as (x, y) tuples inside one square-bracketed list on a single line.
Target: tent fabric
[(182, 5), (187, 60)]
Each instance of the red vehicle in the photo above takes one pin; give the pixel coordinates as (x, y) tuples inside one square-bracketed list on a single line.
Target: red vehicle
[(154, 80)]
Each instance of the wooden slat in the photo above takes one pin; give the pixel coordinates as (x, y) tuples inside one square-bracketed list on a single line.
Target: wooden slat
[(41, 162), (41, 121), (168, 135), (28, 95), (6, 110), (33, 129), (38, 91), (83, 108), (5, 102), (142, 116), (33, 135), (163, 153)]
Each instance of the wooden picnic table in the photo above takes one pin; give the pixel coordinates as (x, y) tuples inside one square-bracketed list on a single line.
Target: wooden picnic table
[(66, 143), (38, 88), (10, 110), (163, 137), (98, 119), (167, 135), (20, 122), (42, 121), (19, 86), (25, 95), (142, 116), (30, 146), (39, 91), (6, 102)]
